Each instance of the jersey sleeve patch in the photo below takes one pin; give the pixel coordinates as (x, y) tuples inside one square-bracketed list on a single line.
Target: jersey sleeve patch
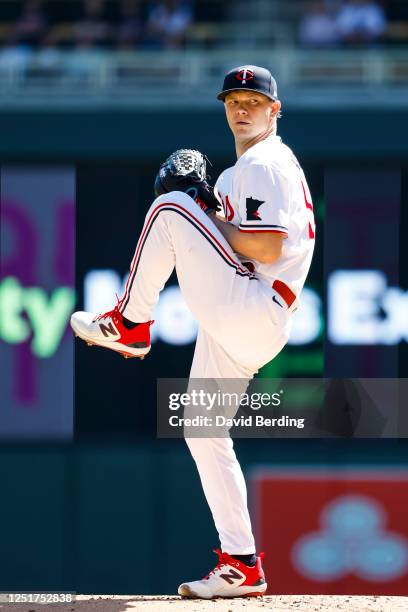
[(263, 199), (252, 212)]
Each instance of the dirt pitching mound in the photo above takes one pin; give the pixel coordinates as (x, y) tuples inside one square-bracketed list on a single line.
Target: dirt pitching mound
[(275, 603)]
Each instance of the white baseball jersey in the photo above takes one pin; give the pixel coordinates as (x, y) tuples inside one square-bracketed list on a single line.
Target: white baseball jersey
[(266, 191)]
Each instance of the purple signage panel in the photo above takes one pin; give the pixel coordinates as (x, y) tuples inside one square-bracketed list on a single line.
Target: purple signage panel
[(365, 302), (37, 296)]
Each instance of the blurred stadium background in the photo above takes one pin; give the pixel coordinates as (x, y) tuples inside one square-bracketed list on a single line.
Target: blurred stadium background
[(93, 95)]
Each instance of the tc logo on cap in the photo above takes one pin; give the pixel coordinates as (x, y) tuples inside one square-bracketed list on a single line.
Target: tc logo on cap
[(244, 75)]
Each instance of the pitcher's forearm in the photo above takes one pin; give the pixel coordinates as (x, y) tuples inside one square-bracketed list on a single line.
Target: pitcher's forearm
[(265, 248)]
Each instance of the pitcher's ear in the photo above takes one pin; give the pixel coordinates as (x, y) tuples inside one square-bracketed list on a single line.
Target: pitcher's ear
[(276, 106)]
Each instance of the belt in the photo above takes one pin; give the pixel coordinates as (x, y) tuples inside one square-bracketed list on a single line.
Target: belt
[(284, 291)]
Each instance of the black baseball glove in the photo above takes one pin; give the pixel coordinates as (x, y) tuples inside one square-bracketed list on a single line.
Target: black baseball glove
[(186, 170)]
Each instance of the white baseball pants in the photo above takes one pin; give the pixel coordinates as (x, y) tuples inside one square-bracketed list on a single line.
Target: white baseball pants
[(240, 329)]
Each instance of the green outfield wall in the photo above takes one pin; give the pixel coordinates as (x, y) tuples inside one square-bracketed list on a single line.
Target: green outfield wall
[(97, 134), (102, 518)]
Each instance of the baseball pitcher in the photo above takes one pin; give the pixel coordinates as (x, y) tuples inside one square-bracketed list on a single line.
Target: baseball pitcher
[(242, 252)]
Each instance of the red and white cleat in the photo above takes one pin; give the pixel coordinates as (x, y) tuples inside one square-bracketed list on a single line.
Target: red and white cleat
[(229, 578), (108, 330)]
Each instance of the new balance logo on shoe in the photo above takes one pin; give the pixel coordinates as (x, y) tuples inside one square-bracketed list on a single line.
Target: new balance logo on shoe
[(108, 330), (230, 576)]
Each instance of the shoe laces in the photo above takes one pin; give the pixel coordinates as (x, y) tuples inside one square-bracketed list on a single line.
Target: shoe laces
[(113, 314), (223, 559)]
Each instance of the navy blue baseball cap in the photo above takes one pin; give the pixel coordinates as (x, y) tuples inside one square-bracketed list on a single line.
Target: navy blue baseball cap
[(252, 78)]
